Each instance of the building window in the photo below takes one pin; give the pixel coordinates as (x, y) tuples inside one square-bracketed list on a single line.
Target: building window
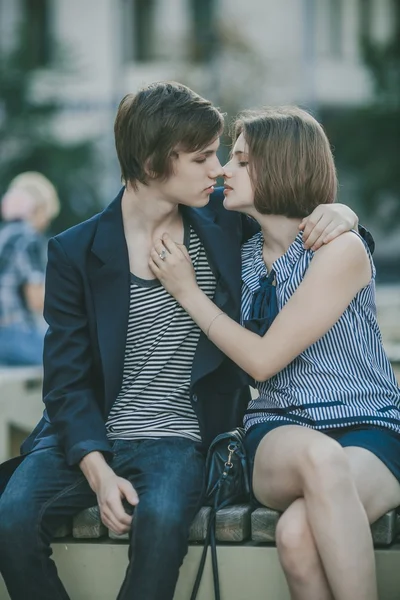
[(203, 37), (37, 32), (335, 16), (139, 30)]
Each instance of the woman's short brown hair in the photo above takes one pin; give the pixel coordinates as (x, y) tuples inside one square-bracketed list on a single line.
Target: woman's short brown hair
[(290, 160), (158, 121)]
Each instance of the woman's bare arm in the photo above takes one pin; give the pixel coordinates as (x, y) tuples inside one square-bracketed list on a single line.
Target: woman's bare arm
[(337, 272)]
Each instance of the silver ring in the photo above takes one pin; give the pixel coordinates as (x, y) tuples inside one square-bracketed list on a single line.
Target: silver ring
[(163, 255)]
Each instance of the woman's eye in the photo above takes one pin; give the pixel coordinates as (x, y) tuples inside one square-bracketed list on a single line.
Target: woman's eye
[(243, 163)]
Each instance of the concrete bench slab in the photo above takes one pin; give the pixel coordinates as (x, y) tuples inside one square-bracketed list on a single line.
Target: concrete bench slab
[(198, 529), (264, 521), (64, 530), (88, 525), (384, 530), (197, 532), (263, 524), (233, 524)]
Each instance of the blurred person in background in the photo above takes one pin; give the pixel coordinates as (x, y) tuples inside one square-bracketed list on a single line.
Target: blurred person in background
[(27, 208)]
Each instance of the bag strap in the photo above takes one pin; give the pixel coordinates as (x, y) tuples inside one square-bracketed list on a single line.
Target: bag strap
[(214, 561), (207, 540), (210, 540)]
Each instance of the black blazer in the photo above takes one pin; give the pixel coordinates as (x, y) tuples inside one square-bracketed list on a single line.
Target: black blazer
[(86, 308)]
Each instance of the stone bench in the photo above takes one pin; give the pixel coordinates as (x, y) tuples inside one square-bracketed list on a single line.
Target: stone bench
[(21, 406), (234, 524), (91, 561)]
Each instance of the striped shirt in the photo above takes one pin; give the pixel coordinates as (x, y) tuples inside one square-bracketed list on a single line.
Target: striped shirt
[(345, 378), (154, 400)]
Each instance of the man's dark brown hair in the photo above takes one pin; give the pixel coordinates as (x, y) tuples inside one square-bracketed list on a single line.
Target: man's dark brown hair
[(290, 160), (152, 126)]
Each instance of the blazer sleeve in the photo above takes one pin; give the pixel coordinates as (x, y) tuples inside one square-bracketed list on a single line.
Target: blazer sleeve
[(367, 236), (68, 367)]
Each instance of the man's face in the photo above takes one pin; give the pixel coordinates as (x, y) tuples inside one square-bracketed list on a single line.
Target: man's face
[(239, 194), (194, 176)]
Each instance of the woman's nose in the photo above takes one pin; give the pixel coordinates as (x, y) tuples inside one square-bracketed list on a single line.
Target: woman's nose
[(226, 171)]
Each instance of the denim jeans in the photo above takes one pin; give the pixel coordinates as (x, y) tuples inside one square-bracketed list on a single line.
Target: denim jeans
[(21, 345), (168, 475)]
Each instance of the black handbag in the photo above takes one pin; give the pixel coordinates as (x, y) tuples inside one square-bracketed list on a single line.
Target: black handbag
[(227, 482)]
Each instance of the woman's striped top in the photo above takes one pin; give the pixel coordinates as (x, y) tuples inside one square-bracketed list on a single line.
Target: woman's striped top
[(345, 378), (154, 399)]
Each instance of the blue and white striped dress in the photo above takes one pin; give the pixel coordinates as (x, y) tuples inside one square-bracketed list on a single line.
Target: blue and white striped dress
[(345, 378)]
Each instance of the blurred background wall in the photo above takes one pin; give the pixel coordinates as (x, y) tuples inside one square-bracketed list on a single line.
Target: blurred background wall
[(65, 64)]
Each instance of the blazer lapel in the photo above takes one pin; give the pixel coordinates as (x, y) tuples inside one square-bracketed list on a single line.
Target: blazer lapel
[(223, 252), (223, 256), (110, 282)]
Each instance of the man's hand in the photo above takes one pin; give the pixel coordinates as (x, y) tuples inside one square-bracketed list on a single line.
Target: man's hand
[(326, 223), (110, 493), (110, 490)]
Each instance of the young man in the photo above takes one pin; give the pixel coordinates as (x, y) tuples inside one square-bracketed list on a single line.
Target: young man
[(134, 393)]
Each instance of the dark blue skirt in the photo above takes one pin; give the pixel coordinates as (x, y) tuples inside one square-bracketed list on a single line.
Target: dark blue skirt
[(384, 443)]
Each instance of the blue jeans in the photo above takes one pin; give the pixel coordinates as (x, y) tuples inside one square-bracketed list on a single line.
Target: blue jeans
[(168, 475), (21, 346)]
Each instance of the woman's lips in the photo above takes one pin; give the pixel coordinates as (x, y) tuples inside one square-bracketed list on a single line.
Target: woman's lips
[(227, 189)]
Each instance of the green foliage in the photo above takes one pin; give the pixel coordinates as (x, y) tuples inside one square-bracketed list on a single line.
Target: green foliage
[(28, 142), (367, 139)]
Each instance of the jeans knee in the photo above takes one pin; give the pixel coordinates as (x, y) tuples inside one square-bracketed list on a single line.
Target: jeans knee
[(167, 520), (17, 527)]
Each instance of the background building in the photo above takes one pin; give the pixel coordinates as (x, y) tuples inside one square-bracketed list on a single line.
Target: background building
[(239, 54)]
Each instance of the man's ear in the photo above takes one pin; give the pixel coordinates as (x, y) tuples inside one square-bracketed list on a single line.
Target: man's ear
[(148, 169)]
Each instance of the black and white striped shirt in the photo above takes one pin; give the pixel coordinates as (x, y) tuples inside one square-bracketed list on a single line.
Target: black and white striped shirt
[(343, 379), (154, 399)]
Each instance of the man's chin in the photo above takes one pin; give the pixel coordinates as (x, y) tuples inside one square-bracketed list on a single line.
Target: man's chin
[(199, 201)]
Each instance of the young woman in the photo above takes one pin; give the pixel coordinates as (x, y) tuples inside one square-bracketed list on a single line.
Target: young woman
[(324, 434)]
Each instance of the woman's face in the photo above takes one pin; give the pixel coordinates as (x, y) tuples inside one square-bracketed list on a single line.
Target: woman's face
[(239, 194)]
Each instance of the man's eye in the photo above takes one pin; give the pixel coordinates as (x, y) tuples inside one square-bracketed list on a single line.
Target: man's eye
[(200, 160)]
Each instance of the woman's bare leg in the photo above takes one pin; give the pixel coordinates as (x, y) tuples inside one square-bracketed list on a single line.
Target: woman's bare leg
[(299, 555), (295, 462), (377, 487)]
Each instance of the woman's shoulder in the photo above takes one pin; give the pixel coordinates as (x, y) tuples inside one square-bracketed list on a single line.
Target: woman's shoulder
[(349, 246), (346, 257)]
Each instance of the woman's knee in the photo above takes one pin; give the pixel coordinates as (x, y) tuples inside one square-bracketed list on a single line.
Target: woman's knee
[(296, 547), (325, 467)]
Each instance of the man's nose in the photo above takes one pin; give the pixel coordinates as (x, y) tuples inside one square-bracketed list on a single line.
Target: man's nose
[(217, 170)]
